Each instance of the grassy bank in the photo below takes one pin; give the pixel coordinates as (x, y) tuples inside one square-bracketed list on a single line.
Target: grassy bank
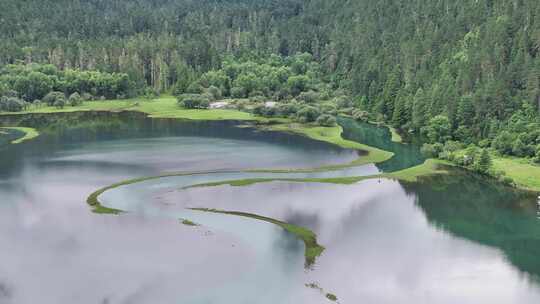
[(29, 133), (395, 135), (524, 172), (163, 107), (313, 249), (333, 135), (167, 107), (96, 205)]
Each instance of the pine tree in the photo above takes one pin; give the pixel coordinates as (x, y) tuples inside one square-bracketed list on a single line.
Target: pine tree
[(420, 109), (483, 163), (390, 92), (399, 117)]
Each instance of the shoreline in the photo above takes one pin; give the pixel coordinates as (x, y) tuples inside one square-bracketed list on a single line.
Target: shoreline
[(28, 134), (525, 174)]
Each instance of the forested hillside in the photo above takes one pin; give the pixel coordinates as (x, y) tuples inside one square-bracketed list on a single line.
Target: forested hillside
[(463, 70)]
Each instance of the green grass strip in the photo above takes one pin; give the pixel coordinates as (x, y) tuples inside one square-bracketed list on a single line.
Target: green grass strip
[(29, 133), (429, 167), (94, 202), (188, 223), (333, 135), (313, 249), (162, 107), (395, 135)]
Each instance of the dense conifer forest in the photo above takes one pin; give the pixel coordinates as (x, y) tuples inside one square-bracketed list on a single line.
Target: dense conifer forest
[(453, 71)]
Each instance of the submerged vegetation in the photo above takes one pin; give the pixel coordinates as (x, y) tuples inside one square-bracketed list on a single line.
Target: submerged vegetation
[(28, 134), (188, 223), (333, 135), (313, 249), (329, 296), (429, 167)]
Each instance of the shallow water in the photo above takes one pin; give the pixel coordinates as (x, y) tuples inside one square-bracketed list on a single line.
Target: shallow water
[(407, 155), (449, 239)]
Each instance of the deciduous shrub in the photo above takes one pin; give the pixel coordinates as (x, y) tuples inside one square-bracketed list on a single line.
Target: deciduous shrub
[(326, 120), (194, 101), (75, 99), (307, 114)]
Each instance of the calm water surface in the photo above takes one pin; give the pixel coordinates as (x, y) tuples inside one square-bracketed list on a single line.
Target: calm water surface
[(448, 239), (407, 155)]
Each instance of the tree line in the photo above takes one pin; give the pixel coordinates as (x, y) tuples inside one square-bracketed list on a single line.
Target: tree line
[(274, 86), (469, 69), (24, 84)]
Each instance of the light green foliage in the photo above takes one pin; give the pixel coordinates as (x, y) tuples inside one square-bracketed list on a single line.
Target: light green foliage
[(217, 79), (309, 97), (537, 154), (326, 120), (12, 104), (34, 85), (60, 103), (331, 297), (51, 98), (483, 163), (75, 99), (307, 114), (194, 88), (163, 107), (29, 133), (524, 173), (215, 92), (36, 81), (518, 147), (429, 150), (503, 142), (194, 101), (438, 129), (188, 223), (273, 76), (297, 84), (360, 115), (432, 150), (238, 92)]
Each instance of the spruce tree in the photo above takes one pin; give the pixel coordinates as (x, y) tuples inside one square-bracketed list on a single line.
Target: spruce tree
[(483, 163)]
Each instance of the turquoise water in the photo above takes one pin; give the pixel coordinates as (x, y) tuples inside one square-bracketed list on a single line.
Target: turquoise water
[(405, 155)]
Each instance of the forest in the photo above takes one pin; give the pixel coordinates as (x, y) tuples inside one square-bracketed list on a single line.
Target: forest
[(465, 72), (270, 151)]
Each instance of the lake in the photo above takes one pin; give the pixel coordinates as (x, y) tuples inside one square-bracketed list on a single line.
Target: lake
[(454, 238)]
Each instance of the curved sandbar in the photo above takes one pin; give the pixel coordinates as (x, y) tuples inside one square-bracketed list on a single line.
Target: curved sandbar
[(429, 167), (29, 133), (312, 248), (333, 135)]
